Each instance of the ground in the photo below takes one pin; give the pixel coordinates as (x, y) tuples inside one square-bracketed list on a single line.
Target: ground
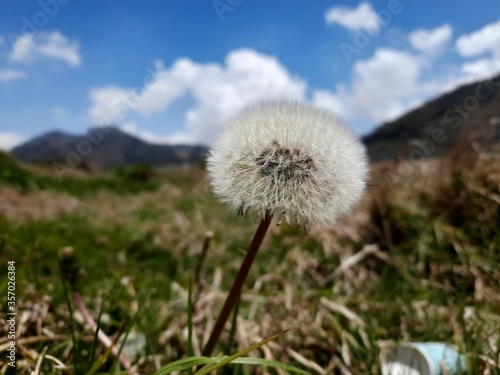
[(416, 261)]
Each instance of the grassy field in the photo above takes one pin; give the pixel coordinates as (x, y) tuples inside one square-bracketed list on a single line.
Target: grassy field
[(426, 240)]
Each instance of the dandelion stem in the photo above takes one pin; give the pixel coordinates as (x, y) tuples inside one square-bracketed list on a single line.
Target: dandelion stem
[(235, 291)]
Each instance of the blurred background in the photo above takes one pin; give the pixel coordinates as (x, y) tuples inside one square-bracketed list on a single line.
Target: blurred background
[(107, 112)]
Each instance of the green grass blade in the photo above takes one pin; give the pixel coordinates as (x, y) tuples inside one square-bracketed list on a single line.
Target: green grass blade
[(209, 368), (269, 363), (98, 327), (127, 332), (188, 363), (76, 352), (100, 361), (185, 364), (234, 325), (190, 323)]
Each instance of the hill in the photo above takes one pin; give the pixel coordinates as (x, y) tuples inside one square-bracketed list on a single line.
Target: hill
[(104, 148), (470, 109)]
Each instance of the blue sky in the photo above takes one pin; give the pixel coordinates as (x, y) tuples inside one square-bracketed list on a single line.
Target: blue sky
[(174, 71)]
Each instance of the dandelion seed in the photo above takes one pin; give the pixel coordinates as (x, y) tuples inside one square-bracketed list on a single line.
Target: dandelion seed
[(297, 162)]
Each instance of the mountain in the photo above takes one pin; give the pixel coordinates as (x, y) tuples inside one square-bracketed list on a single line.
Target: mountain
[(104, 148), (470, 109)]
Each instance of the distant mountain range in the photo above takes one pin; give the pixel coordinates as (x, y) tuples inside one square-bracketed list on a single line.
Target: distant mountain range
[(471, 108), (104, 148)]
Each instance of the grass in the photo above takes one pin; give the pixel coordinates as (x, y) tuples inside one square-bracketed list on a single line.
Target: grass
[(125, 181), (134, 246)]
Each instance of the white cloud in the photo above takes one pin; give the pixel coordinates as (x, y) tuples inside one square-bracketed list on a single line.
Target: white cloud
[(159, 89), (1, 39), (108, 104), (394, 71), (9, 140), (247, 76), (331, 100), (383, 83), (11, 74), (165, 86), (362, 17), (389, 83), (29, 47), (382, 88), (431, 41), (22, 49), (481, 69), (219, 91), (132, 129), (482, 41)]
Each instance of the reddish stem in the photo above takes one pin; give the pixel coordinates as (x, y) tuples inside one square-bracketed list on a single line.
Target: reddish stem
[(235, 291)]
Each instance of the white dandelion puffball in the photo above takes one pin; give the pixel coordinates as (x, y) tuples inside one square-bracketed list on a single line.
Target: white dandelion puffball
[(294, 161)]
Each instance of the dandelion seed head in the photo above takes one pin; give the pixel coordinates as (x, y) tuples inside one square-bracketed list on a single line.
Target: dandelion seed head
[(292, 160)]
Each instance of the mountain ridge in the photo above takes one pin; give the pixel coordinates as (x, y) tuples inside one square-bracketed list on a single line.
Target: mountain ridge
[(103, 148), (455, 114)]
